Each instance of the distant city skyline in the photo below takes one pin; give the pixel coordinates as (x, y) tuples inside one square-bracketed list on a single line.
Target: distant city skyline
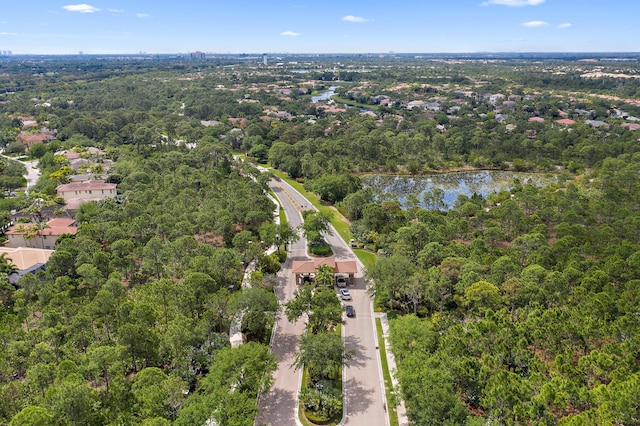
[(358, 26)]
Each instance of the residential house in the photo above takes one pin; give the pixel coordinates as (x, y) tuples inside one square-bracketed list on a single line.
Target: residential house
[(631, 126), (493, 99), (415, 104), (566, 122), (583, 112), (29, 140), (43, 236), (76, 193), (26, 260), (433, 106), (77, 163), (595, 123)]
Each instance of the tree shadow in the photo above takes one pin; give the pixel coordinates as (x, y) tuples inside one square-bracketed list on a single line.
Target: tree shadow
[(358, 398), (359, 359), (276, 408), (284, 346)]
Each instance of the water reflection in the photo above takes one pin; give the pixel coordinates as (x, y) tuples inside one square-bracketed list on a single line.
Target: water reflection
[(451, 185)]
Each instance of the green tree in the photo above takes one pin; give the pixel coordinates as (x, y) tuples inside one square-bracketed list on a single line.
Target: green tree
[(482, 295), (320, 305), (73, 402), (315, 224), (32, 415), (322, 354)]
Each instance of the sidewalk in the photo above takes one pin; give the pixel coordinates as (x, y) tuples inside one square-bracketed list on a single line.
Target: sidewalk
[(391, 361)]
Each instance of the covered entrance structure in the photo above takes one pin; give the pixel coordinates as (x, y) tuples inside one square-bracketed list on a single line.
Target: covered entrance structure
[(307, 268)]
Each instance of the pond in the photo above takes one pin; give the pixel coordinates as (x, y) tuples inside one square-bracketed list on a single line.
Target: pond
[(323, 96), (484, 183)]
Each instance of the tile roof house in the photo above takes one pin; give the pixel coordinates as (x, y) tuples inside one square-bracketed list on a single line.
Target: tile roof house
[(631, 126), (29, 140), (27, 260), (43, 236), (76, 193), (566, 122)]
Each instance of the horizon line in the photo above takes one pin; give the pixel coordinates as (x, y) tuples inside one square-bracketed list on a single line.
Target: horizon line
[(585, 52)]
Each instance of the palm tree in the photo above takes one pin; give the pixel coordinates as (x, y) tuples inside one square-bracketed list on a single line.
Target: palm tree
[(325, 275), (6, 265)]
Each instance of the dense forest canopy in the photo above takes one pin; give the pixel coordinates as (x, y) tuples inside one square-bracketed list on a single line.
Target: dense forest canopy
[(520, 308)]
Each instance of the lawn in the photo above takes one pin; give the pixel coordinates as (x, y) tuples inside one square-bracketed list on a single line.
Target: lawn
[(388, 385), (366, 257), (340, 225)]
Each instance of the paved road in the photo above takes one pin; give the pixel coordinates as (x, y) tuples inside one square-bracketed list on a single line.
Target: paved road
[(363, 381), (33, 173), (363, 384), (279, 406)]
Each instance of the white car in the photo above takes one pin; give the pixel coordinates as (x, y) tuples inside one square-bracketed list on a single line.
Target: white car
[(344, 294), (341, 282)]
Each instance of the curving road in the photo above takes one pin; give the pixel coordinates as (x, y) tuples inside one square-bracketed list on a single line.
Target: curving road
[(364, 402), (33, 173)]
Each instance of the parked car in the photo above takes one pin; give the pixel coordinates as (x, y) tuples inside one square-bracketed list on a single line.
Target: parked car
[(344, 294), (351, 312), (341, 282)]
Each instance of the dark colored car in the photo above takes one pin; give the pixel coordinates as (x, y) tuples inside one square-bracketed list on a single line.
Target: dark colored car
[(351, 312)]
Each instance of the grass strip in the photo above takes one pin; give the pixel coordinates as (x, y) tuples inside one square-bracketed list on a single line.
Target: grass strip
[(336, 218), (386, 374)]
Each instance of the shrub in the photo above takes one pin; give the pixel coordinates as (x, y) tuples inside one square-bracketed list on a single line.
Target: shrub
[(321, 250)]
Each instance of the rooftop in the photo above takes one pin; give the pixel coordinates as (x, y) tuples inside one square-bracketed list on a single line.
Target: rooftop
[(25, 258), (86, 186), (339, 266)]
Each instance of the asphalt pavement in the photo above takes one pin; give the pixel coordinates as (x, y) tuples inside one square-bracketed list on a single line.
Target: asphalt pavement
[(363, 385)]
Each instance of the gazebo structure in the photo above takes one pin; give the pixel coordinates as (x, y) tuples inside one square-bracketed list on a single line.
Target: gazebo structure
[(347, 268)]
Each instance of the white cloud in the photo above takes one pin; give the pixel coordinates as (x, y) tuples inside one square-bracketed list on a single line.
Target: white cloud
[(513, 3), (142, 15), (290, 33), (81, 8), (565, 25), (115, 10), (8, 34), (535, 24), (351, 18)]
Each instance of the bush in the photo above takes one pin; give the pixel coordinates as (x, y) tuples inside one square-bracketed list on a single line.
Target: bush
[(15, 148), (281, 255), (321, 405), (324, 250), (270, 264)]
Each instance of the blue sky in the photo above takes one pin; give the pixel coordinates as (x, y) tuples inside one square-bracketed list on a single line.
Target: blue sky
[(329, 26)]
